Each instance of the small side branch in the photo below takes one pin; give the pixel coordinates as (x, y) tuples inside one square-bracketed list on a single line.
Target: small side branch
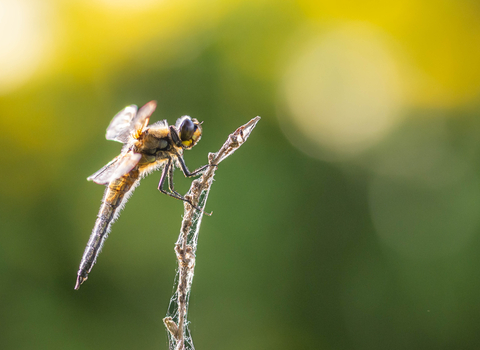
[(185, 248)]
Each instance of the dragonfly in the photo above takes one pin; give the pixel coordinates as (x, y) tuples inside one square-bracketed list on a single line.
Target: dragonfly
[(146, 148)]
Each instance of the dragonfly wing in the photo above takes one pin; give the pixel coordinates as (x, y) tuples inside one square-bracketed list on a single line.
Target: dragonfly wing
[(140, 121), (121, 125), (118, 167), (126, 165), (101, 177)]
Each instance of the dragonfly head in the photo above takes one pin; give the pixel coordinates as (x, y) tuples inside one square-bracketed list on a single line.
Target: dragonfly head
[(189, 131)]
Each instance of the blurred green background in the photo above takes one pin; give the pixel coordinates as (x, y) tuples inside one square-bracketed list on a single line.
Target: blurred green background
[(349, 220)]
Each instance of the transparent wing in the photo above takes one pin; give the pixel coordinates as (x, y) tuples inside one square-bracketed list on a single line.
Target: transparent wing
[(121, 125), (118, 167), (142, 118), (105, 172), (127, 163)]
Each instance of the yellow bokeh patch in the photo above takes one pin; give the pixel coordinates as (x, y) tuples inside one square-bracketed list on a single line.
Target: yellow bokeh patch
[(441, 41)]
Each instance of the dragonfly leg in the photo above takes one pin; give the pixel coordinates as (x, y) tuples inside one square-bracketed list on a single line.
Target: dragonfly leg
[(187, 172), (168, 173), (170, 183)]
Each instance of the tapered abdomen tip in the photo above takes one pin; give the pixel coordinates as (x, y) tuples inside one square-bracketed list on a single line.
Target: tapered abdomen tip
[(80, 280)]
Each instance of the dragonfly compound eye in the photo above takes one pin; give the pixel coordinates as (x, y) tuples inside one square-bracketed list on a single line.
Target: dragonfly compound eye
[(187, 129)]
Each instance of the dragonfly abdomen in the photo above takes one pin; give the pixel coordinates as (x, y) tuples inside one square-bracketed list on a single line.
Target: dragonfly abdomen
[(112, 202)]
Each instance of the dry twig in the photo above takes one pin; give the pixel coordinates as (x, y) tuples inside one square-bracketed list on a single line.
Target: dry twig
[(186, 245)]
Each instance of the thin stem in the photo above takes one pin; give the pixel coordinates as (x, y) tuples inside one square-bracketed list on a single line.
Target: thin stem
[(186, 246)]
